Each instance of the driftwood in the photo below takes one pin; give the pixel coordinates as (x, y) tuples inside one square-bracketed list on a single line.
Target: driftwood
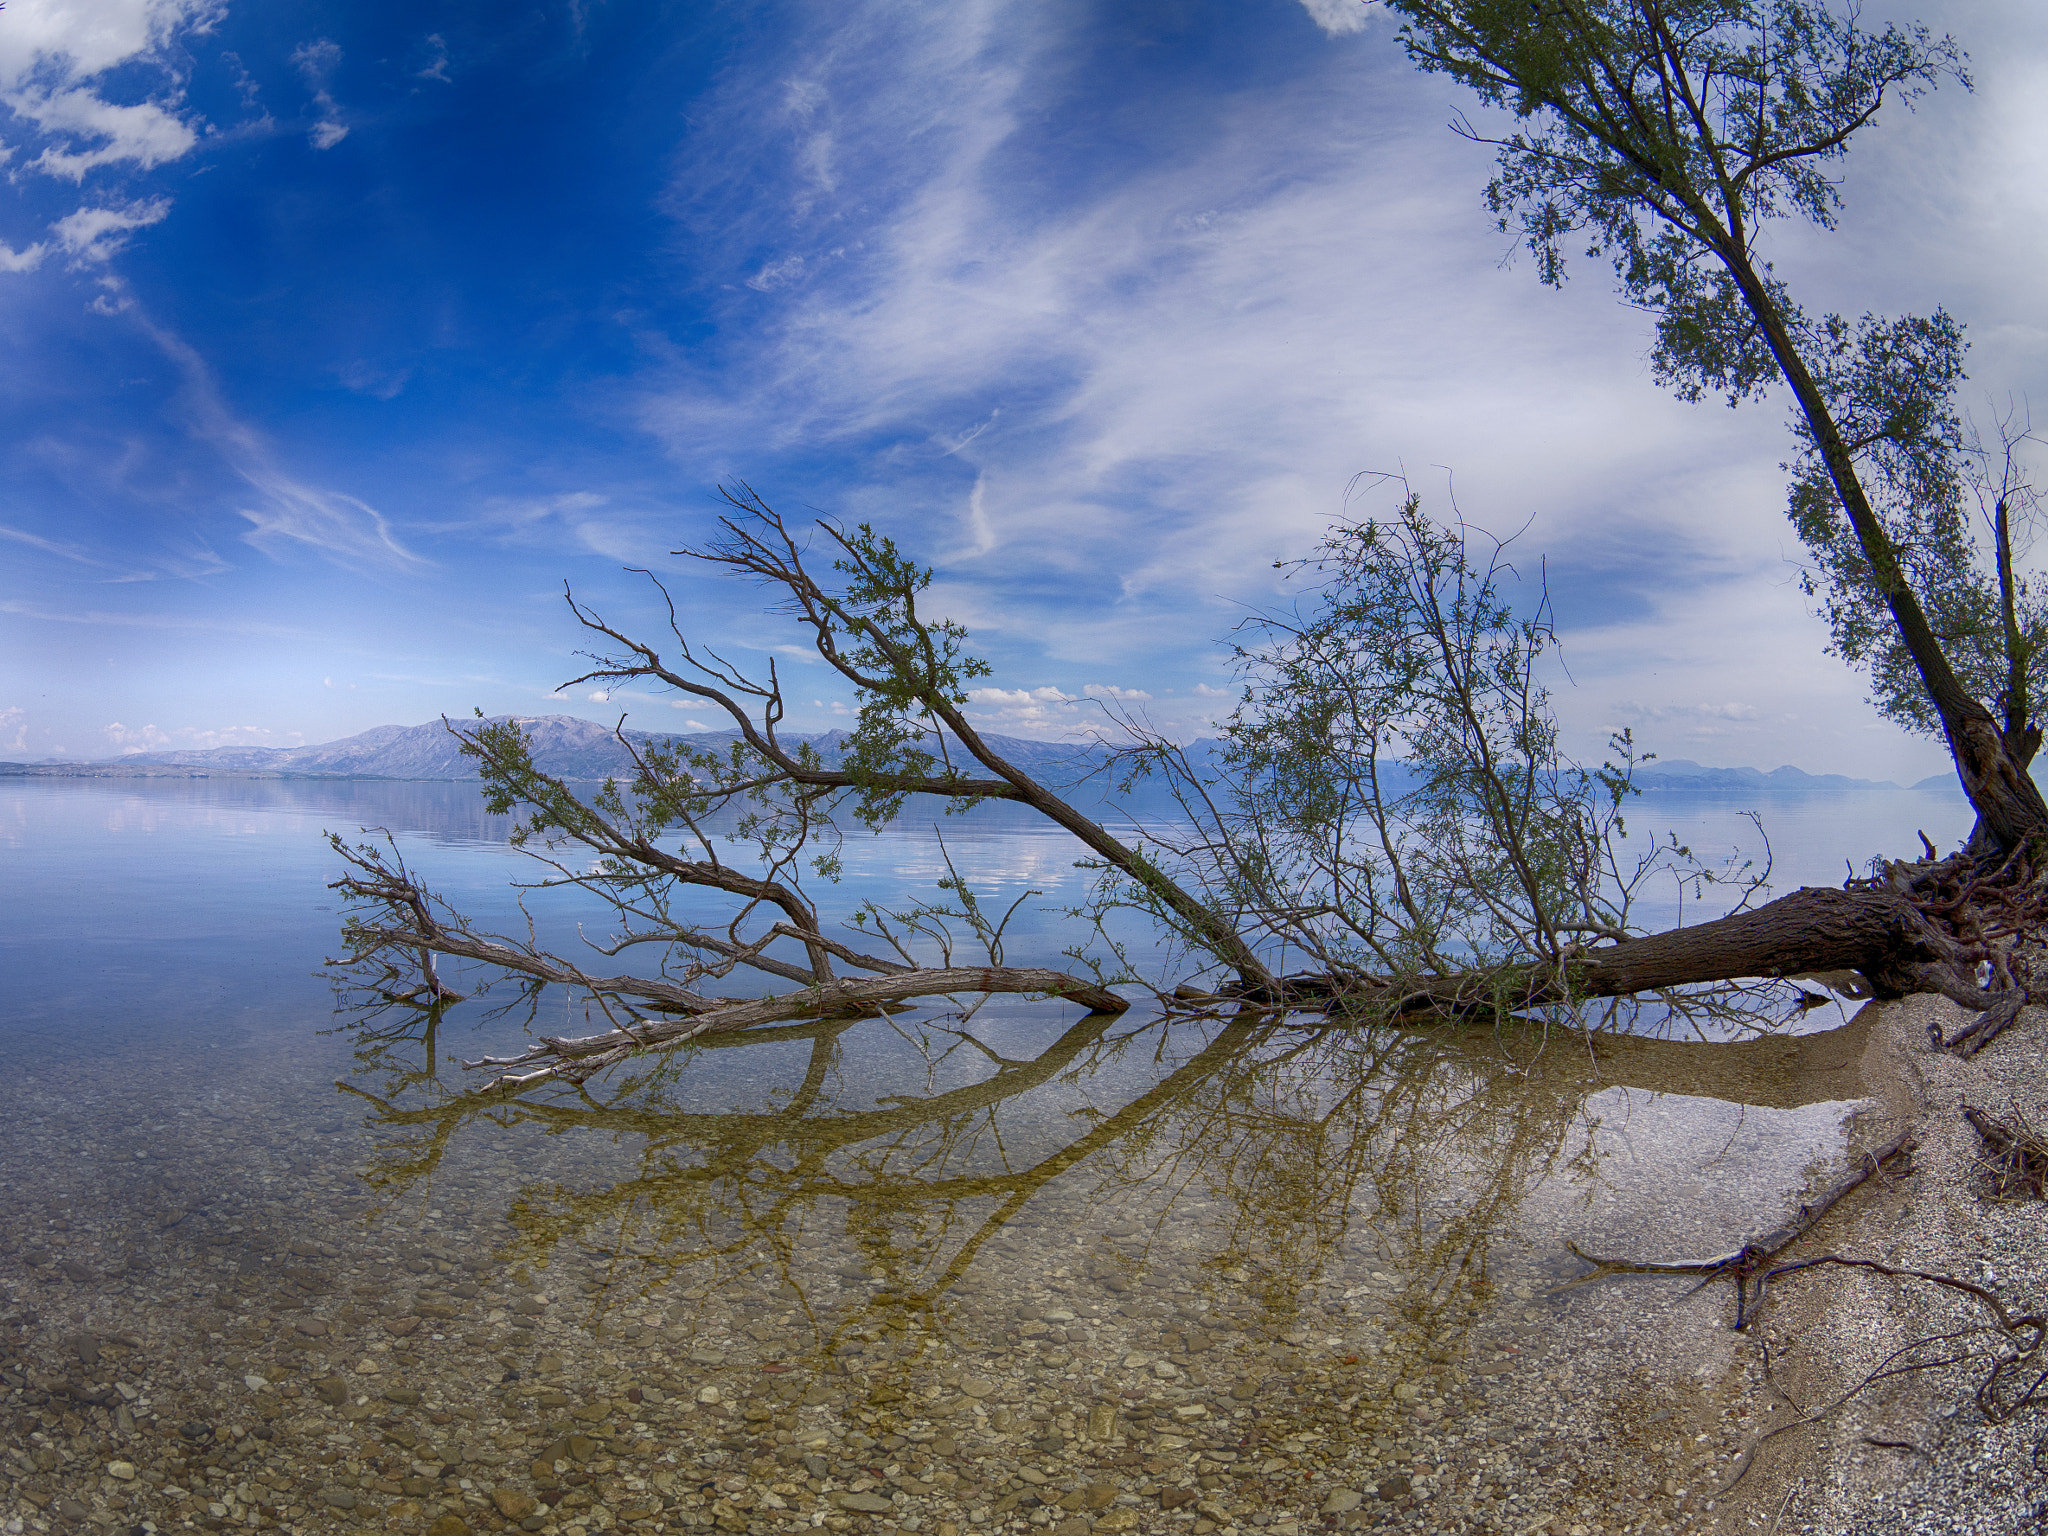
[(2015, 1357), (1753, 1261)]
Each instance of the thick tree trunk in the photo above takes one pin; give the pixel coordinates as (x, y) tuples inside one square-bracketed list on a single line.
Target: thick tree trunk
[(2007, 801), (1875, 931)]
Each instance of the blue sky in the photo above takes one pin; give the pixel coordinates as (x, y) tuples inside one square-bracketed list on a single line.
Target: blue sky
[(339, 336)]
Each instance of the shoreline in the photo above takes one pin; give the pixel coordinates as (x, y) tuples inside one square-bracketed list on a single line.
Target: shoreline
[(1911, 1452)]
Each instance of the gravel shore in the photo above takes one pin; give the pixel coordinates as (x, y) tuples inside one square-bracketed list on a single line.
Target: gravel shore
[(1912, 1452), (193, 1340)]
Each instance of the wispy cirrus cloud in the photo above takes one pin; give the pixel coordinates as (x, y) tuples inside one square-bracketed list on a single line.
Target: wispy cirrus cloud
[(194, 560), (316, 63), (1113, 396), (286, 512), (116, 618)]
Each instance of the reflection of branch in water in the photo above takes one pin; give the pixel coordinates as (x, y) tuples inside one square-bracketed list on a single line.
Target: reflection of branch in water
[(751, 1173), (1299, 1139), (1300, 1145)]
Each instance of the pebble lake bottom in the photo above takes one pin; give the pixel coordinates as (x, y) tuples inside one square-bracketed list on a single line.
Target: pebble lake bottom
[(262, 1268)]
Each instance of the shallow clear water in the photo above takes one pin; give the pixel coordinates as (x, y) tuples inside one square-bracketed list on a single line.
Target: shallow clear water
[(1046, 1267)]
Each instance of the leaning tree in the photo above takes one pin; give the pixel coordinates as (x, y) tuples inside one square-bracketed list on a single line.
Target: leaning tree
[(1389, 828)]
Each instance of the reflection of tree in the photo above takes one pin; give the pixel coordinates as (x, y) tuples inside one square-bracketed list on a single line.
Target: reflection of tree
[(1419, 1147), (1341, 1135)]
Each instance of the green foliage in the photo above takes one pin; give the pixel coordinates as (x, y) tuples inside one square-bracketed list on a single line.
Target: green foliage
[(1398, 761), (1942, 496), (906, 664), (1391, 799), (1665, 134)]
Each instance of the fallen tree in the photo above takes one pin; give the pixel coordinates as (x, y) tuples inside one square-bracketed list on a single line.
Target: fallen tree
[(1390, 828), (1389, 801)]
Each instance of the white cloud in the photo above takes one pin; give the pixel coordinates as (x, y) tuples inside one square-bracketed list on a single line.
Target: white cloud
[(438, 69), (1019, 697), (54, 60), (95, 234), (144, 134), (128, 740), (1112, 691), (1639, 710), (1337, 17), (777, 274), (79, 39), (25, 260), (1204, 691), (379, 384), (14, 720), (145, 738), (1025, 709), (317, 62)]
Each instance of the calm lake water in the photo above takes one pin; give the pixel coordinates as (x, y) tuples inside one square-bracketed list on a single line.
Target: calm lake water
[(1012, 1271)]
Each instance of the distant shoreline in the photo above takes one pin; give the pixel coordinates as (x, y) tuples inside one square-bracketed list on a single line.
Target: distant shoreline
[(172, 771)]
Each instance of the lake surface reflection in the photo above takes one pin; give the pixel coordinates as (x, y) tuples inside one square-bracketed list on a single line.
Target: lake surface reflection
[(1008, 1267)]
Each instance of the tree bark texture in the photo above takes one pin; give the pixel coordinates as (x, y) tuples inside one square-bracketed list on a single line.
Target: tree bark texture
[(1876, 931)]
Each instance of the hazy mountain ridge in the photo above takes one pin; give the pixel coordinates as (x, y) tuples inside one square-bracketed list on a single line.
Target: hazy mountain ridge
[(1682, 773), (577, 749), (564, 746)]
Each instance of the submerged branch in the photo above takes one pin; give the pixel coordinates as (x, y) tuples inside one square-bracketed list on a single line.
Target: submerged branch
[(576, 1059)]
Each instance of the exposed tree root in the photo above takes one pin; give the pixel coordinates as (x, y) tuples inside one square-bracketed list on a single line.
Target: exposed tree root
[(2016, 1155)]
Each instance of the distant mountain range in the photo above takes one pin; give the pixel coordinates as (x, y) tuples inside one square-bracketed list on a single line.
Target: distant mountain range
[(1679, 773), (570, 748), (564, 746)]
